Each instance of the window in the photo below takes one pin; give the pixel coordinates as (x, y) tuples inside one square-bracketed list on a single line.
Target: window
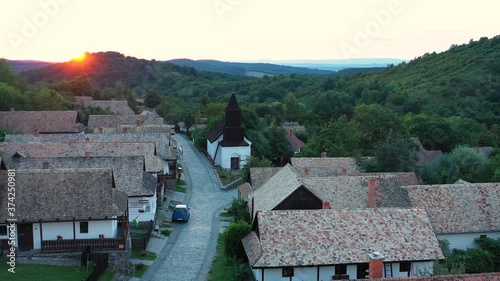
[(404, 266), (340, 269), (84, 227), (3, 230), (287, 272)]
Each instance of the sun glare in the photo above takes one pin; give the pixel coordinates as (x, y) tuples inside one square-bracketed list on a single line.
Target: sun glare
[(80, 58)]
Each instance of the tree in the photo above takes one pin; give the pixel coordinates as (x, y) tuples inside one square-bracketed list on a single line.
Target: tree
[(252, 163), (393, 155), (339, 138), (376, 123), (152, 99), (292, 108), (462, 163), (239, 210)]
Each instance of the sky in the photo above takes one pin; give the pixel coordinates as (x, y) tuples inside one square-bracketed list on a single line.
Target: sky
[(242, 30)]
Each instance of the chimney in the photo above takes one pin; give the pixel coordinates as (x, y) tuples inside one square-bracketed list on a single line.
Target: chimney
[(326, 205), (125, 130), (306, 172), (344, 172), (36, 133), (376, 265), (100, 130), (290, 132), (323, 154), (45, 165), (371, 192), (137, 122), (117, 112), (87, 153), (87, 139)]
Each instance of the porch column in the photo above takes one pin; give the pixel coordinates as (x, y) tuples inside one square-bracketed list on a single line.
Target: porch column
[(41, 235), (74, 235)]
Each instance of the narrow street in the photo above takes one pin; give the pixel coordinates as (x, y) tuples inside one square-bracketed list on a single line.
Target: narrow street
[(191, 247)]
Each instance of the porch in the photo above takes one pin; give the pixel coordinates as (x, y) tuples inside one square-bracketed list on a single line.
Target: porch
[(78, 245)]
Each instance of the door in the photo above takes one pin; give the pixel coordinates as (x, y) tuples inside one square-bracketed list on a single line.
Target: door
[(25, 235), (235, 163), (362, 271)]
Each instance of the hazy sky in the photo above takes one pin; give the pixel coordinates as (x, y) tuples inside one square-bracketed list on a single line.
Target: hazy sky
[(242, 30)]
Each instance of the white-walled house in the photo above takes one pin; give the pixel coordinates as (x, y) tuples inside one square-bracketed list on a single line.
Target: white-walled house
[(66, 210), (460, 212), (128, 176), (330, 244), (227, 145)]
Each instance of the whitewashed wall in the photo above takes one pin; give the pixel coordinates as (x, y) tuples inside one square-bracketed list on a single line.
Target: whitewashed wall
[(463, 241), (52, 229), (135, 205)]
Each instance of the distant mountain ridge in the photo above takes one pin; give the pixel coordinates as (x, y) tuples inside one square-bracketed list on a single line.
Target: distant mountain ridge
[(256, 69), (24, 65)]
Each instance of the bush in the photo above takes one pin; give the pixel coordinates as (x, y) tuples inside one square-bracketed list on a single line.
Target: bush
[(239, 209), (231, 238)]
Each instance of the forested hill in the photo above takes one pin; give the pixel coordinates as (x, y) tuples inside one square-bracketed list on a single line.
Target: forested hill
[(248, 69), (463, 81)]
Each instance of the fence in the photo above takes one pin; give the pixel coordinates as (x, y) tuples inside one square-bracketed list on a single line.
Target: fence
[(142, 243), (99, 262)]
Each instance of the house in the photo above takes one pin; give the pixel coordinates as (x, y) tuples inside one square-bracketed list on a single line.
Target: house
[(41, 122), (295, 143), (337, 165), (66, 210), (425, 156), (341, 244), (460, 213), (295, 189), (294, 126), (227, 145), (118, 107), (113, 121), (128, 174), (162, 145), (244, 190)]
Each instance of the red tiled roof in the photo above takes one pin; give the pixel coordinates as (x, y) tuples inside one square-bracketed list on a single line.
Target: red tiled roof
[(329, 237), (459, 208)]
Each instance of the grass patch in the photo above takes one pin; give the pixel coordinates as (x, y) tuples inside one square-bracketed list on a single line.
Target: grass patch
[(180, 188), (222, 266), (227, 177), (138, 235), (180, 182), (166, 232), (140, 269), (107, 275), (142, 255), (42, 272), (226, 214)]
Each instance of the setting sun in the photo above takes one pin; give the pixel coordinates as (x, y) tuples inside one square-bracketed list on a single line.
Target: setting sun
[(80, 58)]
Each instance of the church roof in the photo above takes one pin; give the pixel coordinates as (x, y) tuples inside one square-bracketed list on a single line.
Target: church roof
[(232, 104)]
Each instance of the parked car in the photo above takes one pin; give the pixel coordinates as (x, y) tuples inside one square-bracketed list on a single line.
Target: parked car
[(180, 213)]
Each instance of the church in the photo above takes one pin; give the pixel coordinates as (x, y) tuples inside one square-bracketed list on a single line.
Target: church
[(227, 145)]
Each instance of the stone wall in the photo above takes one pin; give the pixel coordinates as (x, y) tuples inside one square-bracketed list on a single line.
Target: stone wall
[(119, 263)]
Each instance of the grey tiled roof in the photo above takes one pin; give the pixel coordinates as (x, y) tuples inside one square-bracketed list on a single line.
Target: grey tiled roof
[(119, 107), (329, 237), (142, 129), (336, 163), (161, 140), (63, 194), (259, 175), (79, 149), (295, 143), (244, 190), (342, 192), (294, 126), (128, 171), (112, 121), (43, 121), (275, 190), (459, 208)]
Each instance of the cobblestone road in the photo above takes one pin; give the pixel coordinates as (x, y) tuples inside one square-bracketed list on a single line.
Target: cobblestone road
[(191, 247)]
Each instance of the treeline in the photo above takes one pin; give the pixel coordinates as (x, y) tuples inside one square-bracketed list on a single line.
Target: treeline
[(447, 100)]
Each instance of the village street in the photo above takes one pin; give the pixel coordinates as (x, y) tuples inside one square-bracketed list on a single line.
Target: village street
[(191, 247)]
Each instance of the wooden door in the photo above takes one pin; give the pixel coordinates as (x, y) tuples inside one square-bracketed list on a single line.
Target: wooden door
[(235, 163), (25, 236)]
